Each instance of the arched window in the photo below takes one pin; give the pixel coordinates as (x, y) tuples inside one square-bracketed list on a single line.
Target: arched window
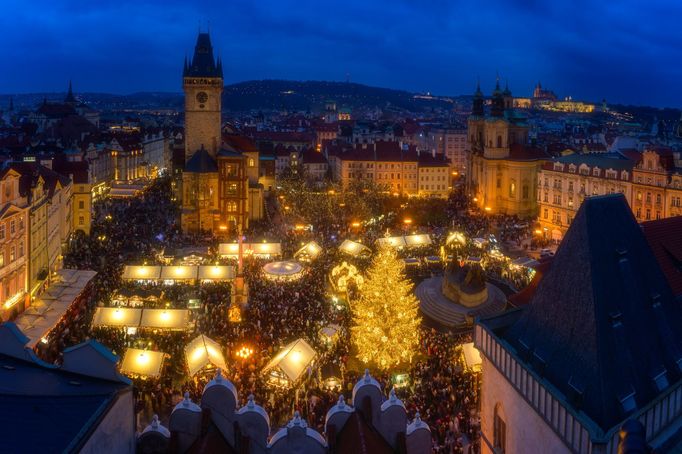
[(499, 429), (499, 141)]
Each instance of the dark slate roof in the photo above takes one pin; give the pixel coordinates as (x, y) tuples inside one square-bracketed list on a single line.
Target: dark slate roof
[(357, 436), (603, 321), (229, 152), (201, 162), (46, 409), (202, 63)]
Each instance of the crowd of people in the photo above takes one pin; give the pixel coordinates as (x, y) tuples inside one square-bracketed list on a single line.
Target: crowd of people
[(136, 230)]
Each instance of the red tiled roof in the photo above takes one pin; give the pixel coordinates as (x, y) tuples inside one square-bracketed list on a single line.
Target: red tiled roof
[(524, 296), (665, 241), (240, 143)]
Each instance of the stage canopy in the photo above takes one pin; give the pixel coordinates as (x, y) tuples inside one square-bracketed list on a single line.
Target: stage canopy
[(216, 273), (354, 249), (291, 362), (308, 252), (171, 319), (142, 362), (260, 250), (141, 273), (117, 317), (203, 352), (285, 271)]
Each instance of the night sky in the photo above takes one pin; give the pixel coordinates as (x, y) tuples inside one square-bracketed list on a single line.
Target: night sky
[(627, 51)]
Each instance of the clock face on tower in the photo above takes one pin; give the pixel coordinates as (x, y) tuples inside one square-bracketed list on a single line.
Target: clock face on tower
[(202, 97)]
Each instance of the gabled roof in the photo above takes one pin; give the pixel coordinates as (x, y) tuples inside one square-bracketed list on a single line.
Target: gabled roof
[(201, 162), (603, 323)]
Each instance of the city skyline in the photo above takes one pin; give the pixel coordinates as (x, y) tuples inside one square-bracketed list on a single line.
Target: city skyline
[(581, 50)]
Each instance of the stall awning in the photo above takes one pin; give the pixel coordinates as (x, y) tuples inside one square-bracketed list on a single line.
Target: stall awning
[(263, 250), (472, 357), (293, 359), (353, 248), (417, 240), (202, 352), (179, 273), (141, 273), (142, 362), (216, 272), (172, 319), (117, 316)]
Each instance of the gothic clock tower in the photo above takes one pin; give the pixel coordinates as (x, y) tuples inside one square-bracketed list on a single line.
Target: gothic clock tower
[(203, 85)]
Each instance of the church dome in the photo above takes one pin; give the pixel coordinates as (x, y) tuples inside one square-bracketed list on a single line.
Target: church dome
[(155, 426)]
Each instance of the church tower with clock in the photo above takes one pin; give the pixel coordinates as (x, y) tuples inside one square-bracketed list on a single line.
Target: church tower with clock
[(202, 83), (220, 190)]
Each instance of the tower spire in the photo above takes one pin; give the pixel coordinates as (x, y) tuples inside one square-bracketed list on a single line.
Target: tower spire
[(70, 99)]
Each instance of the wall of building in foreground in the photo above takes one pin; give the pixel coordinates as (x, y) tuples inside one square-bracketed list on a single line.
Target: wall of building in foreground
[(116, 431), (525, 430)]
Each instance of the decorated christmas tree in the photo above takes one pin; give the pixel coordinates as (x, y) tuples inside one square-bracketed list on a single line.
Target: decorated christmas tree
[(386, 331)]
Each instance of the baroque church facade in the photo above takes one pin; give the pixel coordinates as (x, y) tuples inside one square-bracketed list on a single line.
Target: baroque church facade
[(220, 191), (503, 167)]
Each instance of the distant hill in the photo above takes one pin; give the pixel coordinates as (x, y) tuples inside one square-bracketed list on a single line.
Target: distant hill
[(312, 95), (256, 95)]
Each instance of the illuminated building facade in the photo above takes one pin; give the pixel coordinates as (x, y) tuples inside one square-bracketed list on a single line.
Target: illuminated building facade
[(564, 183), (657, 185), (14, 211), (503, 168)]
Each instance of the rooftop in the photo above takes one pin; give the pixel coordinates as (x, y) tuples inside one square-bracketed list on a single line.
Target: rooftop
[(603, 326)]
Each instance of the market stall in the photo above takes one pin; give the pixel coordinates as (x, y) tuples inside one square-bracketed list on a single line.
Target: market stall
[(142, 363), (354, 249), (309, 252), (288, 366), (216, 273), (142, 273), (117, 317), (168, 319), (204, 353)]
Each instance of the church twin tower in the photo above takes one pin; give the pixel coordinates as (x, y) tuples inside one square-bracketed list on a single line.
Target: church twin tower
[(220, 191)]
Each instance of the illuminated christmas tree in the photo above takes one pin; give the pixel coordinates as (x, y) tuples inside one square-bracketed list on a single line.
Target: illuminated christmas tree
[(386, 331)]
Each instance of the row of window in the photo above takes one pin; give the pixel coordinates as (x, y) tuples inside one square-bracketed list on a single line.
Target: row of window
[(12, 253), (433, 187), (596, 171), (12, 227)]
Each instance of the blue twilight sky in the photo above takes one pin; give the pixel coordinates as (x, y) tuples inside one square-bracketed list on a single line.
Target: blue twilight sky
[(625, 51)]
